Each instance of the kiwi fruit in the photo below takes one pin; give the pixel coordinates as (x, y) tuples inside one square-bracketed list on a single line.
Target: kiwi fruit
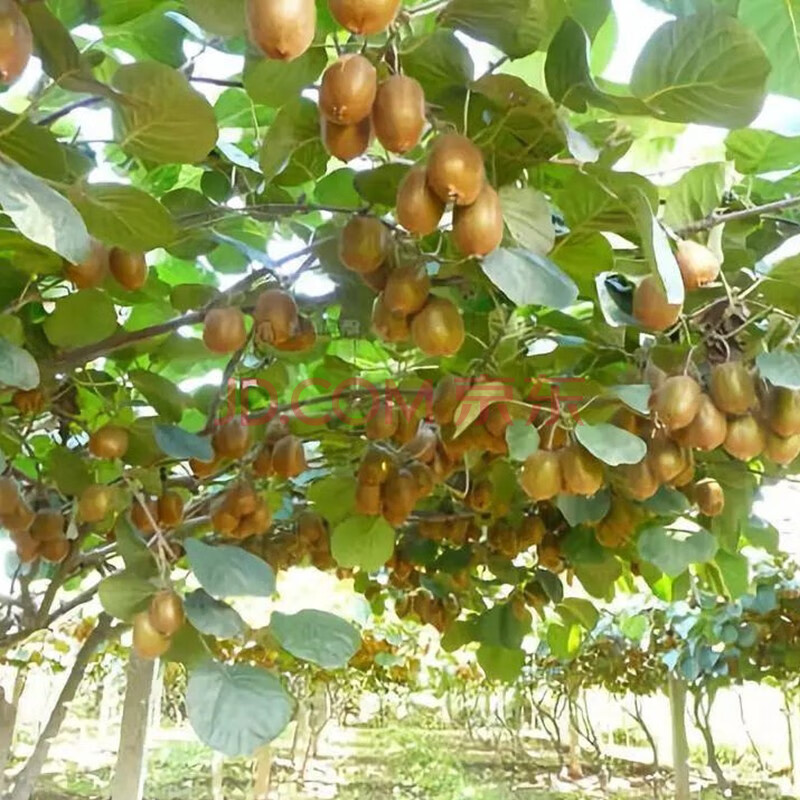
[(447, 397), (479, 497), (311, 527), (224, 521), (665, 459), (378, 279), (231, 439), (541, 476), (16, 41), (531, 533), (92, 270), (733, 388), (288, 457), (364, 244), (424, 477), (698, 265), (617, 527), (95, 503), (496, 419), (382, 421), (48, 526), (677, 402), (54, 551), (375, 467), (346, 142), (262, 464), (277, 428), (276, 316), (746, 438), (170, 509), (438, 329), (144, 516), (391, 328), (709, 496), (549, 553), (129, 269), (224, 330), (707, 431), (368, 499), (651, 307), (282, 29), (419, 210), (27, 548), (20, 519), (780, 450), (166, 612), (407, 289), (241, 500), (203, 469), (364, 17), (398, 114), (148, 643), (110, 441), (399, 497), (784, 411), (9, 495), (582, 472), (687, 476), (348, 90), (478, 228), (455, 170), (29, 402)]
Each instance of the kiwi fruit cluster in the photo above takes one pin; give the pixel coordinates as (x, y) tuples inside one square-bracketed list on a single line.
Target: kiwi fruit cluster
[(128, 269), (241, 513), (698, 266), (440, 612), (454, 174), (34, 534), (154, 628), (16, 41), (307, 541), (164, 512)]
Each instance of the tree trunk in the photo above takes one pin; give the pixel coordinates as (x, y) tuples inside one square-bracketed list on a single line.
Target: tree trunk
[(129, 775), (26, 780), (8, 720), (793, 730), (680, 744), (217, 775), (702, 717), (262, 778)]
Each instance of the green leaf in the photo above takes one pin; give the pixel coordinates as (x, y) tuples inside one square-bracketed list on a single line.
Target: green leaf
[(577, 611), (137, 556), (612, 445), (41, 214), (439, 61), (501, 626), (236, 709), (708, 69), (222, 17), (165, 397), (528, 279), (527, 214), (667, 502), (69, 470), (380, 185), (32, 147), (673, 551), (364, 542), (125, 594), (522, 439), (695, 195), (756, 151), (761, 534), (580, 510), (124, 216), (500, 663), (275, 83), (295, 126), (175, 442), (226, 571), (564, 641), (80, 319), (161, 118), (18, 368), (598, 578), (316, 636), (636, 396), (334, 497), (735, 572), (634, 628), (780, 368), (477, 399), (213, 617)]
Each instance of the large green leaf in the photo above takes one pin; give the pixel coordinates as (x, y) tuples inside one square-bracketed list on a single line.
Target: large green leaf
[(501, 663), (125, 594), (213, 617), (222, 17), (527, 214), (580, 510), (505, 625), (236, 709), (695, 195), (757, 151), (18, 368), (179, 443), (780, 367), (706, 68), (577, 610), (612, 445), (295, 127), (165, 397), (32, 146), (673, 551), (276, 83), (225, 571), (316, 636), (80, 319), (364, 542), (334, 496), (439, 61), (522, 439)]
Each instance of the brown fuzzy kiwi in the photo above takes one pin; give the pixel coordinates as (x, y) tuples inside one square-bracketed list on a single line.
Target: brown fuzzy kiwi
[(455, 169), (746, 438), (677, 402), (16, 41), (311, 527), (224, 330), (733, 388), (398, 114), (407, 289), (447, 397), (583, 473), (203, 469), (231, 439), (784, 411), (148, 643), (617, 527), (282, 29), (368, 499), (479, 498), (129, 269), (438, 330), (304, 339), (707, 431), (399, 497), (9, 495), (651, 307), (277, 428), (419, 209), (262, 464), (166, 612), (709, 496), (532, 531), (782, 451), (143, 516), (276, 316), (170, 509), (375, 467), (391, 328), (364, 17), (346, 142), (241, 499), (95, 503), (27, 548), (497, 418), (541, 475), (382, 421), (687, 476), (348, 90), (92, 270), (424, 477), (48, 526), (378, 279), (697, 263), (478, 228), (636, 480), (30, 402), (20, 519), (364, 244), (55, 551), (549, 553), (665, 459), (288, 457), (110, 441)]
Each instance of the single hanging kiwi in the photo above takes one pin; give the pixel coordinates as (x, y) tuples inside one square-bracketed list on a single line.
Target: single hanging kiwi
[(746, 438), (276, 316), (304, 339), (651, 308), (364, 17), (541, 476), (733, 388), (407, 289), (455, 169), (129, 269), (348, 90), (148, 643), (583, 473), (110, 441), (784, 411), (16, 41), (677, 402), (478, 229), (398, 113), (364, 244), (224, 330), (288, 457), (391, 328), (709, 496), (438, 330), (346, 142), (637, 481), (166, 612), (231, 439), (92, 271), (419, 209), (782, 451), (447, 397), (707, 431), (94, 503), (282, 29), (665, 458), (697, 263)]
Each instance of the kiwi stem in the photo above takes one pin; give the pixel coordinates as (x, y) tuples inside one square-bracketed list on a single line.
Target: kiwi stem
[(230, 368), (713, 220), (87, 102)]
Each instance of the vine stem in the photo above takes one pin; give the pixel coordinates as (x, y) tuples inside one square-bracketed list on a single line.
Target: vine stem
[(713, 220)]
